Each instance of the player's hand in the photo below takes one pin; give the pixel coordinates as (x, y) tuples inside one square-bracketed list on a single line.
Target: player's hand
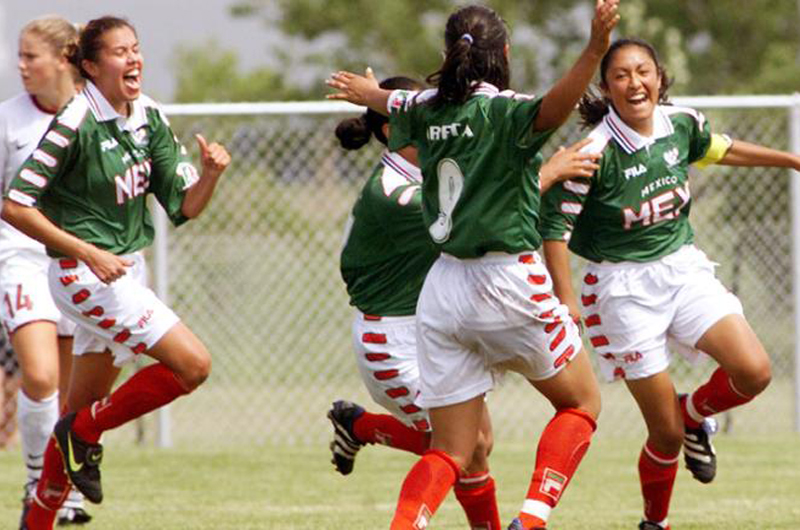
[(352, 87), (214, 158), (604, 21), (106, 266), (567, 163)]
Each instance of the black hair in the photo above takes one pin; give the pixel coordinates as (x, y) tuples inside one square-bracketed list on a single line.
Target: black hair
[(353, 133), (593, 106), (475, 41), (91, 42)]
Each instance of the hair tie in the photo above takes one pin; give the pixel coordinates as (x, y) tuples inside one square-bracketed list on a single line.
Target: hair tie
[(467, 37)]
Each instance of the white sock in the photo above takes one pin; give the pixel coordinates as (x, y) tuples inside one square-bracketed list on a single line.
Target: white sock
[(35, 420)]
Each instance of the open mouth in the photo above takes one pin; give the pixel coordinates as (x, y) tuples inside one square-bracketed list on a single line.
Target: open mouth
[(637, 100), (133, 80)]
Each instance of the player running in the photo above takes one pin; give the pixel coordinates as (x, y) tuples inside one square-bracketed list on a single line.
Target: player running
[(41, 335), (645, 281), (487, 305), (83, 194)]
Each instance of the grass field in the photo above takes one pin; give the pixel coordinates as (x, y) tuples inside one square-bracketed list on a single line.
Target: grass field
[(268, 487)]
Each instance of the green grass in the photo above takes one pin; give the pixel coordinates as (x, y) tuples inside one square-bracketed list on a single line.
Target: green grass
[(757, 487)]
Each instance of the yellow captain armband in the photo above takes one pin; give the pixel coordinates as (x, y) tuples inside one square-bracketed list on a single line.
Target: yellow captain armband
[(720, 143)]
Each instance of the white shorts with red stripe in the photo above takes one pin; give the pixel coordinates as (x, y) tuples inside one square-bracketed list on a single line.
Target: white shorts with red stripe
[(386, 355), (25, 295), (480, 317), (631, 309), (124, 316)]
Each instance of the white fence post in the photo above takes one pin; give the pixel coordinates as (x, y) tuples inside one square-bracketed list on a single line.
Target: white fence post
[(794, 146), (161, 286)]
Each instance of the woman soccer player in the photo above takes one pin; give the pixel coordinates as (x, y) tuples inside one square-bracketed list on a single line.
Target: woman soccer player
[(645, 280), (41, 335), (486, 304), (83, 194)]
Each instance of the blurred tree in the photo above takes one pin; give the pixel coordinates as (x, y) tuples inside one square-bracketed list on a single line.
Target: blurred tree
[(709, 47)]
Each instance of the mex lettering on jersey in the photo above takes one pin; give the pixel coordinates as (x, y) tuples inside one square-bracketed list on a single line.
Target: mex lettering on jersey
[(133, 182), (663, 207)]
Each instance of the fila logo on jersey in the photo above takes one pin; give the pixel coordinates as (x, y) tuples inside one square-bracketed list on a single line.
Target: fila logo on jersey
[(107, 145), (443, 132), (671, 156), (635, 171)]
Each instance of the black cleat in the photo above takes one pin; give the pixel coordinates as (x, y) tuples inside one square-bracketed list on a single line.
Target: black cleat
[(81, 459), (72, 516), (345, 445), (698, 451), (648, 525), (516, 524)]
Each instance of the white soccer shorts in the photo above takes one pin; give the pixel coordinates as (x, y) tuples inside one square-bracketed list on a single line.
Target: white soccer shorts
[(480, 317), (386, 355), (124, 316), (631, 309), (25, 295)]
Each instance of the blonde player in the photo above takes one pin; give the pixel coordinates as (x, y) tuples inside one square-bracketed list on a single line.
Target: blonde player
[(40, 334)]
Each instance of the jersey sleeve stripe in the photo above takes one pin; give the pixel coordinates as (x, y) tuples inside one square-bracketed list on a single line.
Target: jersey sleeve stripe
[(34, 178), (44, 158), (577, 188), (57, 138), (22, 198), (571, 208), (407, 195)]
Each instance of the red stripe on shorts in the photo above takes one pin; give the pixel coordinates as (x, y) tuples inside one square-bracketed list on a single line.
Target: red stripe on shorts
[(422, 425), (559, 338), (564, 357), (107, 323), (81, 296), (540, 297), (383, 375), (122, 336), (410, 409), (397, 392), (66, 280), (377, 356), (373, 318), (68, 263), (589, 300), (551, 326), (96, 311), (590, 279), (527, 259), (592, 320), (374, 338), (140, 348), (599, 340), (537, 279)]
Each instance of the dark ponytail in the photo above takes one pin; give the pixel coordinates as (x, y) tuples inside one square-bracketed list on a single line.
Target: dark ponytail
[(475, 50), (594, 106), (354, 133)]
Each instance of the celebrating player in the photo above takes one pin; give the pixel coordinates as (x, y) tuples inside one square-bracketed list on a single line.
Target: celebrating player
[(41, 336), (645, 280), (83, 194), (486, 305)]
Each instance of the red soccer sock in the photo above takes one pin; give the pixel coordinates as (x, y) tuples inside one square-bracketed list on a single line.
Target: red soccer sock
[(561, 448), (51, 491), (476, 493), (148, 389), (424, 489), (657, 476), (716, 395), (387, 430)]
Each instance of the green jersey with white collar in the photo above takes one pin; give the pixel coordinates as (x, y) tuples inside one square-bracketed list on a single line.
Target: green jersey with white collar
[(93, 169), (636, 206), (480, 163)]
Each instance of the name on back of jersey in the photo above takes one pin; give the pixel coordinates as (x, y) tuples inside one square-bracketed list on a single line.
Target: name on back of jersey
[(451, 130)]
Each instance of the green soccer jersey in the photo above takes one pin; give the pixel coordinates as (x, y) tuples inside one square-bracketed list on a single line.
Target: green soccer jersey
[(92, 171), (480, 162), (387, 250), (636, 207)]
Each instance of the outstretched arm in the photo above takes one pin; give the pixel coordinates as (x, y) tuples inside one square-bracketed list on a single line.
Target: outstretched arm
[(568, 163), (560, 101), (359, 90), (746, 154)]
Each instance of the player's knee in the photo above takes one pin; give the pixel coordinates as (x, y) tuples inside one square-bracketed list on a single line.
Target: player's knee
[(195, 369), (40, 384), (484, 446), (753, 378), (667, 438)]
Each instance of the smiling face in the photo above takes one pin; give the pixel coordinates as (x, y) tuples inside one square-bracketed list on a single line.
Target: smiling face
[(117, 69), (632, 81), (39, 67)]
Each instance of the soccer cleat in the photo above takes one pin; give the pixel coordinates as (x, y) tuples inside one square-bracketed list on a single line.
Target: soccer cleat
[(345, 445), (72, 516), (516, 524), (81, 459), (699, 453), (648, 525)]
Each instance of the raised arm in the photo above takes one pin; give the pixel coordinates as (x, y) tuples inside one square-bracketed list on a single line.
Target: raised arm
[(560, 101), (214, 159), (359, 90), (33, 223), (568, 163)]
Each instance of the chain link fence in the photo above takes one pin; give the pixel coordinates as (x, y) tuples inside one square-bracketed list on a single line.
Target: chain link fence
[(256, 277)]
